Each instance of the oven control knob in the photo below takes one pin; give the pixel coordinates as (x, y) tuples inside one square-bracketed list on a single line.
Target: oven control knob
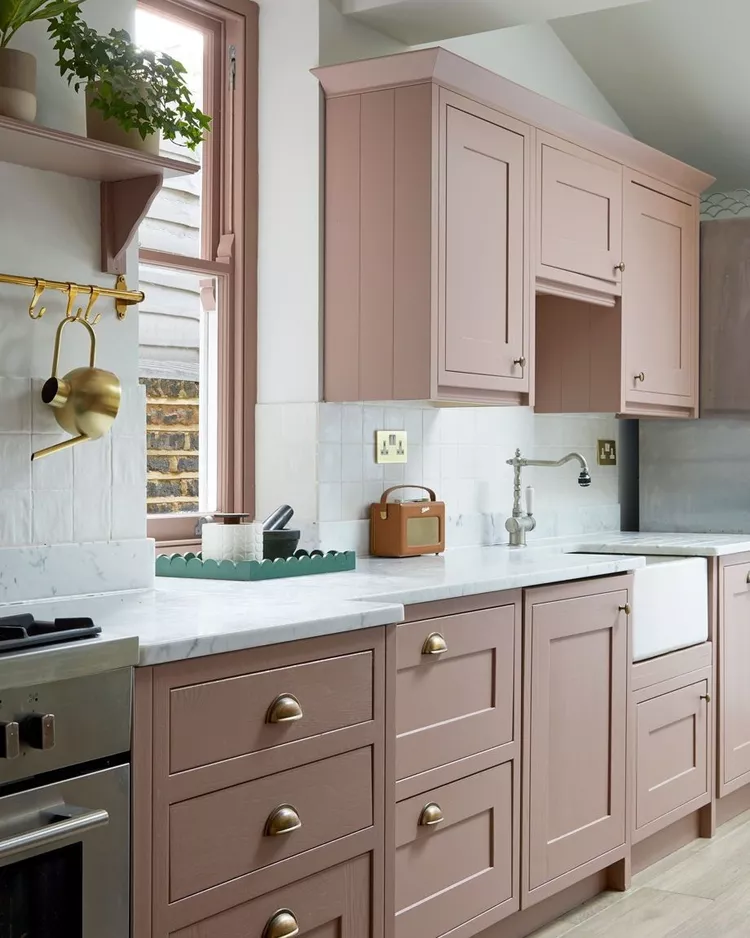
[(38, 730), (9, 743)]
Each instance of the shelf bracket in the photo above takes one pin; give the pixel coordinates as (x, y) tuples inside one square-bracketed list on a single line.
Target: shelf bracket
[(124, 204)]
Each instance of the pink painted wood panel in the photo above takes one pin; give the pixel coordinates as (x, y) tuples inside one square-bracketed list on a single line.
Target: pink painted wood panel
[(461, 702), (576, 686), (578, 357), (580, 212), (672, 732), (448, 874), (734, 686), (220, 836), (413, 266), (218, 720), (655, 670), (660, 322), (336, 903), (342, 249), (482, 231), (376, 195)]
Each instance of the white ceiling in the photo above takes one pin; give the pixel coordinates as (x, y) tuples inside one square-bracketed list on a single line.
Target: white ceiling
[(419, 21), (677, 72)]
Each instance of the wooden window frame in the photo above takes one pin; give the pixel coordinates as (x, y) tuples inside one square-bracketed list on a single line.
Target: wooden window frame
[(229, 245)]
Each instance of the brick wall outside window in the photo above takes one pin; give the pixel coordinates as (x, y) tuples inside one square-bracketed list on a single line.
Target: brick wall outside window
[(171, 445)]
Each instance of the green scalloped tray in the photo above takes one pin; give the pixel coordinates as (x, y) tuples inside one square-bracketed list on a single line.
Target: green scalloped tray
[(193, 566)]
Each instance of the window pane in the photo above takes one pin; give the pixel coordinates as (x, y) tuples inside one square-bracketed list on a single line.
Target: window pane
[(178, 358), (173, 222)]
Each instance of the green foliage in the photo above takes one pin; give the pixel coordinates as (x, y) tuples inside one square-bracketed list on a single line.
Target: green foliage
[(138, 89), (16, 13)]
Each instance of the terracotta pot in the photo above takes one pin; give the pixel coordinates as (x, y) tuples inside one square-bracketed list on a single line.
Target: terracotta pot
[(109, 131), (17, 84)]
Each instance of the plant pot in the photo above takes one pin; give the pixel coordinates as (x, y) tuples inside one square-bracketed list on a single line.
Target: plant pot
[(17, 84), (109, 131)]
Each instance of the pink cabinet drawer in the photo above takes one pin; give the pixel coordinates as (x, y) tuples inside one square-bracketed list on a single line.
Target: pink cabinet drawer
[(335, 902), (461, 865), (231, 717), (461, 698), (672, 752), (223, 835)]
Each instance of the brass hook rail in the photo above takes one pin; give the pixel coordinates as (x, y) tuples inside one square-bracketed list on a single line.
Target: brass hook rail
[(119, 293)]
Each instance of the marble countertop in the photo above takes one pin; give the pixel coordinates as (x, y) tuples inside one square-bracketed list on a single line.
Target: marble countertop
[(190, 618), (668, 545)]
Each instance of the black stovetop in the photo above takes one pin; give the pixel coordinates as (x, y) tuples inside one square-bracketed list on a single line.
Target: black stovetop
[(24, 631)]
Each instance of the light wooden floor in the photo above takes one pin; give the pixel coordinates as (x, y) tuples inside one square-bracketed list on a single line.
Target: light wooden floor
[(702, 891)]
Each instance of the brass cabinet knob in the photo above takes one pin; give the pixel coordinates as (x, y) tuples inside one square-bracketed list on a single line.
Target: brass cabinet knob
[(640, 376), (282, 820), (620, 267), (284, 709), (431, 815), (520, 361), (282, 924), (434, 644), (706, 697), (625, 609)]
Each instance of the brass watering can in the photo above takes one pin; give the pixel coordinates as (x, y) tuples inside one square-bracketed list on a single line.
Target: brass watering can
[(85, 401)]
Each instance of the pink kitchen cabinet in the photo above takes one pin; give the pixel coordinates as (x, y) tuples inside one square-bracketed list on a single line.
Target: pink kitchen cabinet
[(427, 260), (575, 702), (660, 298), (734, 687), (579, 222)]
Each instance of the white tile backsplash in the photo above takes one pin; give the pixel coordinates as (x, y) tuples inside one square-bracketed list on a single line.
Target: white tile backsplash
[(15, 400), (461, 452)]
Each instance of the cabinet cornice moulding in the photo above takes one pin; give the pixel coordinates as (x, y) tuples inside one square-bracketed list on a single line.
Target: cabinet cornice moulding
[(460, 75)]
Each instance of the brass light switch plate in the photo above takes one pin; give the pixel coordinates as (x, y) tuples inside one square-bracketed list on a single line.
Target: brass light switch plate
[(606, 452), (390, 446)]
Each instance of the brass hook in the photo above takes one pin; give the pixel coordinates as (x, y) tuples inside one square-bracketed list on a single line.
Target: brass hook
[(92, 299), (72, 292), (58, 339), (40, 287)]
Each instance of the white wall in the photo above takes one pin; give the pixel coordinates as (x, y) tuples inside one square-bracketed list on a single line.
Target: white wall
[(50, 228), (535, 57)]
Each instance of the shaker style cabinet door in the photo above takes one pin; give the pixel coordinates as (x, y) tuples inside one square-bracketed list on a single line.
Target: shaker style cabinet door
[(659, 296), (483, 226), (574, 732), (734, 695), (580, 214)]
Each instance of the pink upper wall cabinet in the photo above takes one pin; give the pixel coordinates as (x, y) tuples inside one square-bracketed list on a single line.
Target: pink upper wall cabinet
[(427, 277), (660, 297), (483, 292), (579, 222), (452, 196)]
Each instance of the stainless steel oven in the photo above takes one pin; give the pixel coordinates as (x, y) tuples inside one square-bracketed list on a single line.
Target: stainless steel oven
[(65, 808)]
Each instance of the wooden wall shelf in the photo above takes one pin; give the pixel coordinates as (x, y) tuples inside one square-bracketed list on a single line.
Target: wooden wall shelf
[(129, 179)]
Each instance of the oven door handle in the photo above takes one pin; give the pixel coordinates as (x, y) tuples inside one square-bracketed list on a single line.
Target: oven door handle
[(72, 821)]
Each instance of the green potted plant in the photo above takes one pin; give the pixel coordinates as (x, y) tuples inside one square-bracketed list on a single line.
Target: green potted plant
[(133, 96), (17, 68)]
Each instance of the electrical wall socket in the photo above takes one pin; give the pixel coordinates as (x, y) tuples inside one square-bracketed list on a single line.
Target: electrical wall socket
[(606, 452), (390, 446)]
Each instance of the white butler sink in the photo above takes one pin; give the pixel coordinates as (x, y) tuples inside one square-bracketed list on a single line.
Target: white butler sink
[(670, 605)]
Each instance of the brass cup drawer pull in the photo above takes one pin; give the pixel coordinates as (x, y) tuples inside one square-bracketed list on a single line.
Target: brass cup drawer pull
[(434, 644), (706, 697), (431, 815), (284, 709), (282, 820), (282, 924), (626, 609)]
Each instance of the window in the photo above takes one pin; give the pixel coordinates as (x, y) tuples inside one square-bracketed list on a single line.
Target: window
[(197, 254)]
